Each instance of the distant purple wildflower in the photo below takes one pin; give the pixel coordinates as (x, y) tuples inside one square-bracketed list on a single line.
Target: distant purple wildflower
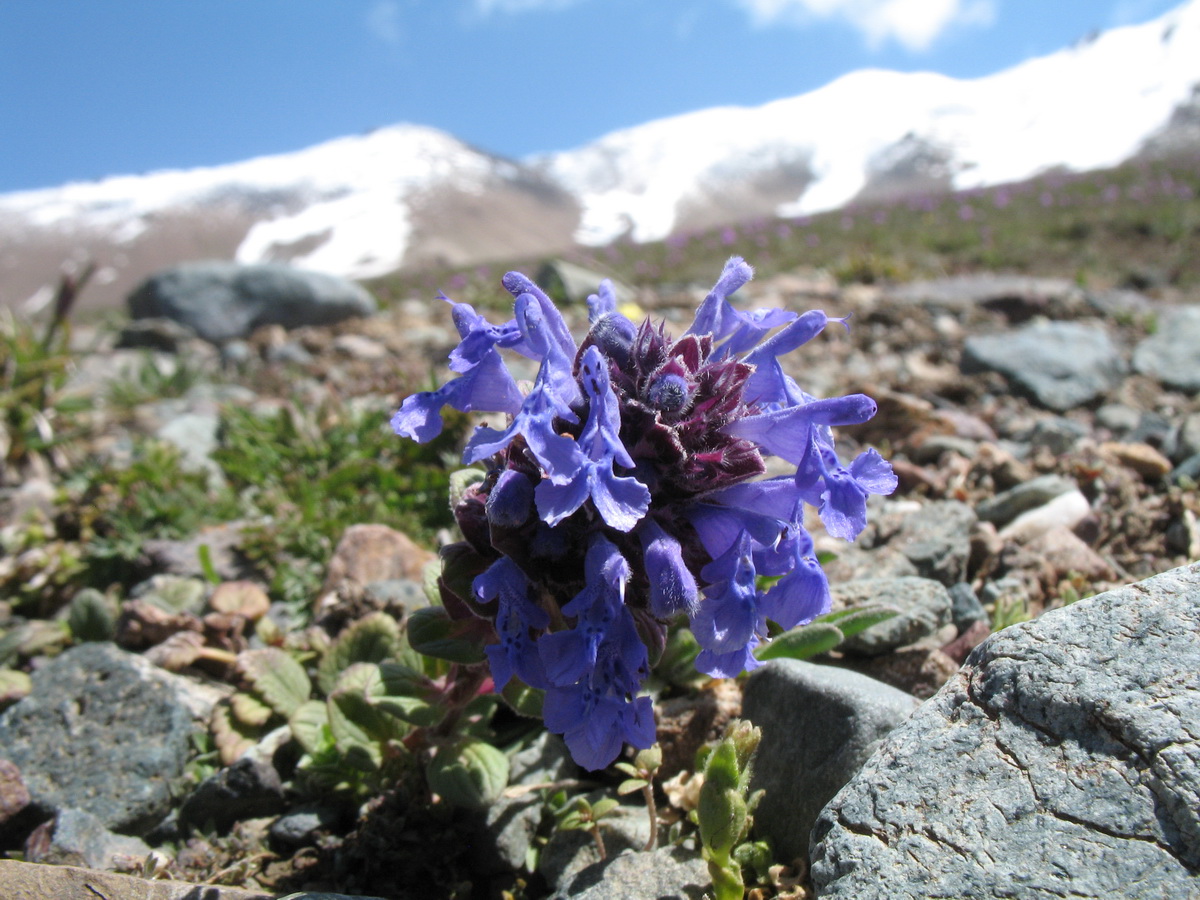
[(626, 492)]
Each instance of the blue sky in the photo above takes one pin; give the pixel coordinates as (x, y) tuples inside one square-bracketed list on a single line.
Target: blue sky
[(90, 88)]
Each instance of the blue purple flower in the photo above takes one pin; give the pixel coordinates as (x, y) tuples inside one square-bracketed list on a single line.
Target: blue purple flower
[(626, 494)]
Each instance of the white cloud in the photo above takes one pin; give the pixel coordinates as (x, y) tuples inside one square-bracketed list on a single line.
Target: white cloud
[(384, 22), (486, 7), (914, 24)]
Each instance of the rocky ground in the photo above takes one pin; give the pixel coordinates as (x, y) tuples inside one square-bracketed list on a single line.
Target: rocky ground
[(1047, 441)]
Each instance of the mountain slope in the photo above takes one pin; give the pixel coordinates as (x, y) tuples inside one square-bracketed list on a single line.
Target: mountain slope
[(406, 195)]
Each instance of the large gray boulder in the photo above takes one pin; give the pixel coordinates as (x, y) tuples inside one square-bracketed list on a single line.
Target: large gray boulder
[(1061, 365), (819, 725), (105, 732), (1062, 761), (221, 301), (1172, 353)]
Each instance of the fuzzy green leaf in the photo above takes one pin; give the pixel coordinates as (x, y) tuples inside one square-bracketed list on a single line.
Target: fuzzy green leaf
[(629, 785), (471, 774), (410, 709), (278, 678), (431, 631), (857, 619), (250, 710), (371, 639), (802, 643), (90, 617), (308, 722), (232, 738), (603, 807), (523, 699)]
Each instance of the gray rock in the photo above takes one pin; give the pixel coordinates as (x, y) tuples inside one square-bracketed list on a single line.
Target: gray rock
[(935, 539), (164, 335), (966, 609), (1061, 365), (568, 853), (248, 789), (103, 731), (1064, 511), (1188, 470), (986, 288), (819, 725), (29, 881), (1057, 434), (299, 827), (77, 838), (182, 557), (1172, 353), (1183, 441), (668, 873), (222, 301), (1062, 760), (1007, 505), (925, 606), (289, 352), (571, 283), (509, 826), (1120, 302)]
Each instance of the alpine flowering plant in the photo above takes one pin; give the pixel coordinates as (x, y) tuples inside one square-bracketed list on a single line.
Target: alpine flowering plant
[(627, 492)]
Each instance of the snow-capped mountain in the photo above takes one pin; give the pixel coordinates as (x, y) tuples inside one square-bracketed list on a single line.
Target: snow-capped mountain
[(367, 205)]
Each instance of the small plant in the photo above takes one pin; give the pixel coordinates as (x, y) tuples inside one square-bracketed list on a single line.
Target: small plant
[(36, 421), (580, 814), (641, 778), (724, 813), (625, 495)]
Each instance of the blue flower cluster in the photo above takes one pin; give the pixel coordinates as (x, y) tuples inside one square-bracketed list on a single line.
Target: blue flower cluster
[(627, 492)]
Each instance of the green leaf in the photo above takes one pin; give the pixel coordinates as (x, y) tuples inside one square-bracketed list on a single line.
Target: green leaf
[(277, 677), (410, 709), (523, 699), (371, 639), (13, 686), (802, 643), (471, 774), (310, 724), (629, 785), (356, 727), (860, 618), (207, 569), (603, 807), (249, 710), (431, 631), (90, 617)]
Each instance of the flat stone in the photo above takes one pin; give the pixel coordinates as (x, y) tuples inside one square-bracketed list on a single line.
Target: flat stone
[(1007, 505), (668, 873), (1063, 760), (1140, 458), (103, 731), (222, 301), (961, 291), (925, 606), (77, 838), (30, 881), (1061, 365), (1064, 511), (842, 716), (370, 553), (568, 853), (1172, 353), (936, 540), (1183, 440), (248, 789)]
